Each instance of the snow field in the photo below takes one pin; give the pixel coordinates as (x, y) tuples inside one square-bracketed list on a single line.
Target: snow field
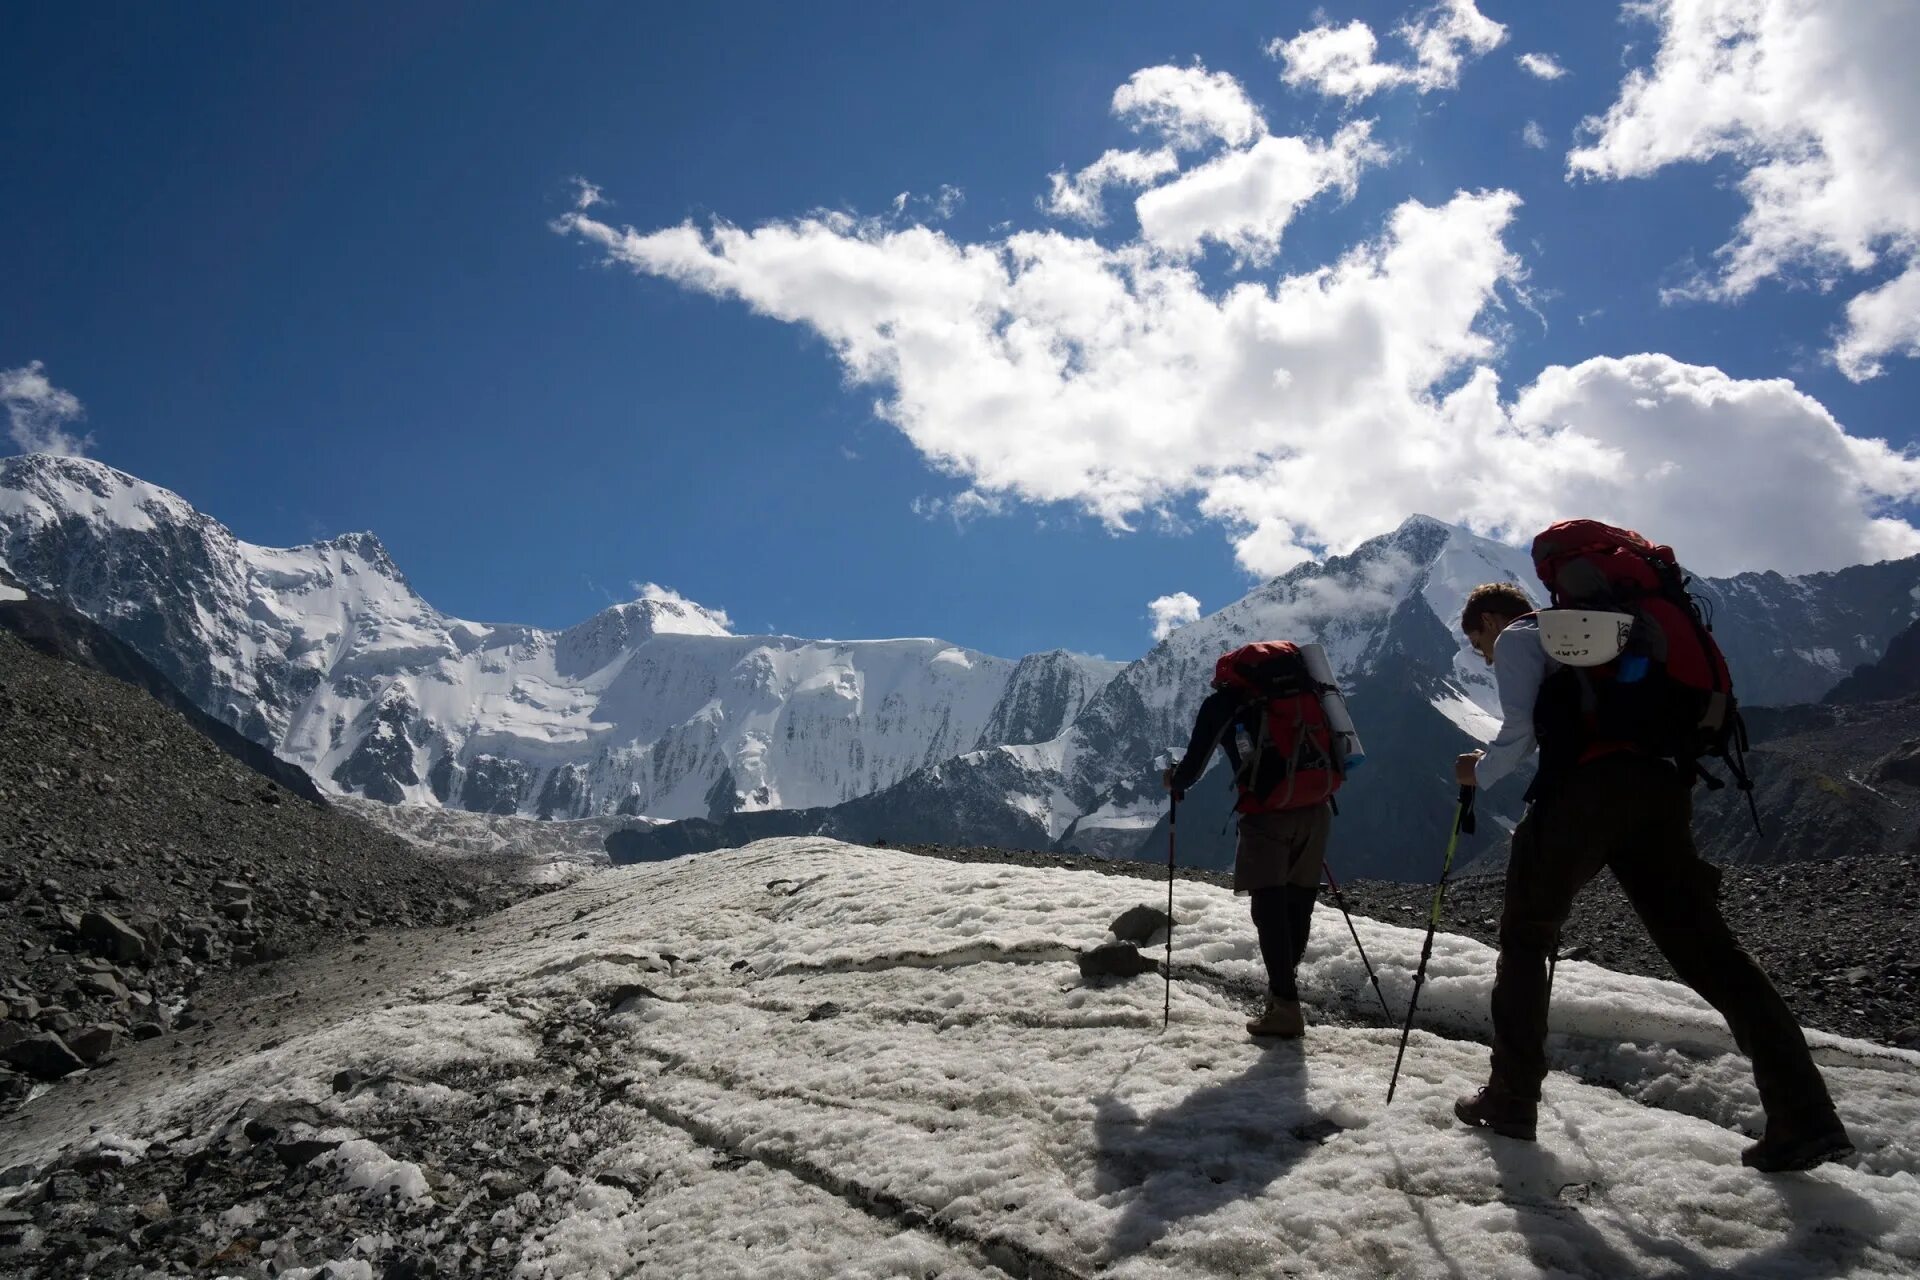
[(805, 1058)]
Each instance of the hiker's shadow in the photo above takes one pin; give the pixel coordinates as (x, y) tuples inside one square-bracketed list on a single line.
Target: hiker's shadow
[(1831, 1226), (1224, 1141)]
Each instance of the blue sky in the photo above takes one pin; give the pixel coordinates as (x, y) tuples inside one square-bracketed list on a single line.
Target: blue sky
[(301, 267)]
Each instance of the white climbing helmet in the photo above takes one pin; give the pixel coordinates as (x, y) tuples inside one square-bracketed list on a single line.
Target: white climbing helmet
[(1584, 637)]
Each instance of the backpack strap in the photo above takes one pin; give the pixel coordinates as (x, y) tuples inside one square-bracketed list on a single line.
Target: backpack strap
[(1293, 758), (1244, 775)]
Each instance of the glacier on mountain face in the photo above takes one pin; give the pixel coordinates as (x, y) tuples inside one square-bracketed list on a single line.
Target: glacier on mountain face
[(651, 707), (654, 708)]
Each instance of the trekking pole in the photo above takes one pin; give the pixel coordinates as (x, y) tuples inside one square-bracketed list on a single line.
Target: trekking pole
[(1341, 902), (1462, 821), (1166, 1004)]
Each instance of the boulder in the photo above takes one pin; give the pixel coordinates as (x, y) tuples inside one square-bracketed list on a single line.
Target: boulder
[(45, 1057), (104, 985), (629, 996), (1902, 764), (1115, 960), (299, 1152), (110, 936), (90, 1044), (1140, 925)]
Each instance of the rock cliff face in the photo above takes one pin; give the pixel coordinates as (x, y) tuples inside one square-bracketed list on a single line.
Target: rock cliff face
[(1895, 675), (326, 654), (1044, 694)]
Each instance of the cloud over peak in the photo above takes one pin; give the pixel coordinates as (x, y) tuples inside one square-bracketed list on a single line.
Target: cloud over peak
[(1170, 613), (39, 413)]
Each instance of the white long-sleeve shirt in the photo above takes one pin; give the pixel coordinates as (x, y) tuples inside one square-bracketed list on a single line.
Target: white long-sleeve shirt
[(1520, 667)]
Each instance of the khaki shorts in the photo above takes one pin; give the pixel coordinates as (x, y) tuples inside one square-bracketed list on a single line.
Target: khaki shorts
[(1288, 847)]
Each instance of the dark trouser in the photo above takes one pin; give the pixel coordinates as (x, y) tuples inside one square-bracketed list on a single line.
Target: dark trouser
[(1634, 815), (1282, 916)]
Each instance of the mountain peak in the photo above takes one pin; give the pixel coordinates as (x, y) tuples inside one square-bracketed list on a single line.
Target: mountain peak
[(1420, 523), (368, 547), (617, 629), (45, 487), (671, 615)]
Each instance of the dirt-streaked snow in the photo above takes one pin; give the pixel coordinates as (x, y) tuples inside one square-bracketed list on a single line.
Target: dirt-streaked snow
[(853, 1061)]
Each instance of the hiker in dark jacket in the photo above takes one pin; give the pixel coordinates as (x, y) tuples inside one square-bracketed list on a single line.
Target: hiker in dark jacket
[(1595, 806), (1277, 862)]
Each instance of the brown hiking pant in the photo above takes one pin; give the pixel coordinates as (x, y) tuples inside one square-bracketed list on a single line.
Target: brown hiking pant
[(1633, 814)]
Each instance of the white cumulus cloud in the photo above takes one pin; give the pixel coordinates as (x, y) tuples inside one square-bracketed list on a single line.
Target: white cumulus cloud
[(1171, 612), (1534, 136), (1301, 412), (1818, 105), (1340, 61), (1541, 65), (1245, 199), (1186, 107), (39, 413), (1242, 198), (1080, 196), (1189, 106)]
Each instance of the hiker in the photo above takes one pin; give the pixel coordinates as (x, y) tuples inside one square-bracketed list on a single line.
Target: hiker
[(1263, 695), (1598, 802)]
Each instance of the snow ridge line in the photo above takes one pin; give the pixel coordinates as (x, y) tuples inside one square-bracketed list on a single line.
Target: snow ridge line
[(983, 953), (1008, 1256), (951, 1018)]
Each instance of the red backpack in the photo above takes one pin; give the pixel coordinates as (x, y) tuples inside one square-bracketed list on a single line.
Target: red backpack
[(1293, 764), (1669, 692)]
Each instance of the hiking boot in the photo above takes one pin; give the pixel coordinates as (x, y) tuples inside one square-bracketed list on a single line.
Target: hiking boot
[(1495, 1108), (1280, 1018), (1792, 1145)]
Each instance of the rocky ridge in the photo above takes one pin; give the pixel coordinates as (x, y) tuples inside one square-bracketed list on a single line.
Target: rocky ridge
[(136, 860)]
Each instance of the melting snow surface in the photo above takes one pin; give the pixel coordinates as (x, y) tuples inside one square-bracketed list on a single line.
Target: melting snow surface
[(971, 1106)]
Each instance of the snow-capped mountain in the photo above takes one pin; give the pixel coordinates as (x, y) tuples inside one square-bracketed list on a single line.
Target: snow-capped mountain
[(653, 708), (1388, 615), (326, 653), (1414, 691)]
